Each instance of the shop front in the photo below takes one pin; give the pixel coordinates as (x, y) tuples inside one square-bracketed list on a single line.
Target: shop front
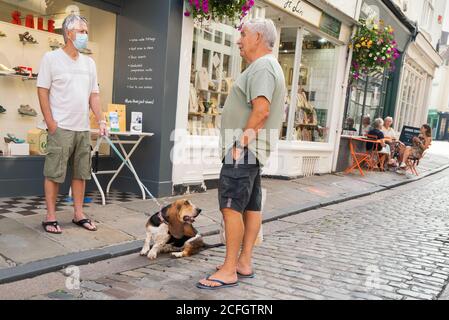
[(312, 50), (135, 45), (375, 95)]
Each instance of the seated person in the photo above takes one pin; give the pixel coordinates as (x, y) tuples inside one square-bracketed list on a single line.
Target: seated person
[(420, 144), (366, 125), (387, 130), (350, 125), (390, 139), (382, 148)]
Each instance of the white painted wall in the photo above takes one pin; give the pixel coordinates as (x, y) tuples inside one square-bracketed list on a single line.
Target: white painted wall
[(349, 7)]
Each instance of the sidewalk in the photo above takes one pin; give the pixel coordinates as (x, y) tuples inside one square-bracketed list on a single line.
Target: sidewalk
[(26, 250)]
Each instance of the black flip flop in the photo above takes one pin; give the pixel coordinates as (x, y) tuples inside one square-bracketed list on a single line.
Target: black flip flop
[(53, 224), (222, 285), (246, 276), (82, 222)]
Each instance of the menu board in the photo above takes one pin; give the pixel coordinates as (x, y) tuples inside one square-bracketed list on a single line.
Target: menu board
[(139, 72), (407, 135)]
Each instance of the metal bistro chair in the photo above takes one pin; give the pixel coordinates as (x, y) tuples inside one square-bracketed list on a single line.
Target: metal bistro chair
[(374, 158), (412, 163)]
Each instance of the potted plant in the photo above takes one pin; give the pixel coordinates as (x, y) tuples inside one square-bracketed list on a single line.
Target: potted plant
[(218, 10), (374, 48)]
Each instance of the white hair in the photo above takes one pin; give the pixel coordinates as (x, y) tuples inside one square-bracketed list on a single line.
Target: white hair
[(70, 24), (378, 123), (266, 28), (389, 118)]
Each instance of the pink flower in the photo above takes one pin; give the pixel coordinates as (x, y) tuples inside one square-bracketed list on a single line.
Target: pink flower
[(206, 6), (187, 13)]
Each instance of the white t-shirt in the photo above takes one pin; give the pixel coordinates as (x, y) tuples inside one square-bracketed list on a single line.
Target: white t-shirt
[(71, 82), (390, 133)]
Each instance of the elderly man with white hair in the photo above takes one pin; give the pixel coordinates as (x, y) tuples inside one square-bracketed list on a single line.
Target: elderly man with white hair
[(67, 86), (251, 120)]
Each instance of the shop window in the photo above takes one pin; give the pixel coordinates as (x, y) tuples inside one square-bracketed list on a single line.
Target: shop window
[(216, 63), (19, 88), (366, 100), (313, 95), (410, 97)]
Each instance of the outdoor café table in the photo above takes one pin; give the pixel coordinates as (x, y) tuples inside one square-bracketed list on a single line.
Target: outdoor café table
[(117, 138), (358, 158)]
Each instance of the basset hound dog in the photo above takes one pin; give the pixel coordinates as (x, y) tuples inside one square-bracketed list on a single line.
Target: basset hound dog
[(171, 231)]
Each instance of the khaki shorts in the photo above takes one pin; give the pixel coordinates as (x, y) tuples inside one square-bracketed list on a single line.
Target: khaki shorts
[(66, 147)]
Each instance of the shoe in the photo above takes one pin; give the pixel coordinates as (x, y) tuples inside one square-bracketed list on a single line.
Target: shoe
[(12, 138), (86, 51), (2, 110), (26, 110), (5, 70), (55, 44), (27, 38), (20, 71), (2, 34)]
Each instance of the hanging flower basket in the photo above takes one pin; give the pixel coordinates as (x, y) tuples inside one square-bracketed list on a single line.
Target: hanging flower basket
[(218, 10), (374, 49)]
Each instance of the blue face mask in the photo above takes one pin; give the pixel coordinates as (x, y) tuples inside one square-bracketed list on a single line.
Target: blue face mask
[(81, 41)]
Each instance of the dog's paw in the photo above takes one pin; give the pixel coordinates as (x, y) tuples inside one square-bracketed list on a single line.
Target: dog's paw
[(152, 255), (143, 252), (177, 254)]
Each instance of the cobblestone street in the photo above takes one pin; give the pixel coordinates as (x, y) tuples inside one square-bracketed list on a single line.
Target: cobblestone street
[(392, 245)]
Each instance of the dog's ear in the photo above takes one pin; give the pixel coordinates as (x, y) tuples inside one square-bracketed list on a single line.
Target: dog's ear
[(175, 226)]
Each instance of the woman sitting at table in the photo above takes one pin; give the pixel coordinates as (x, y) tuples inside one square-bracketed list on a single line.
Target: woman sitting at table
[(420, 144), (387, 130), (391, 139), (382, 147)]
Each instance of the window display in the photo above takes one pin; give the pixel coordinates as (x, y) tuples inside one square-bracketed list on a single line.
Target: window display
[(28, 29), (216, 63), (314, 94), (366, 100)]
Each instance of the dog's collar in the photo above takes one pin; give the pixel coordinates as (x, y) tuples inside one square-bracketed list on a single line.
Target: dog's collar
[(161, 218)]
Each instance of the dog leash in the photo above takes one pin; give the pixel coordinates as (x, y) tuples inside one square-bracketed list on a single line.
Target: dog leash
[(143, 186)]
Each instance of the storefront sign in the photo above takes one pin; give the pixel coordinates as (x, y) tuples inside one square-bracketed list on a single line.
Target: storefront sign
[(330, 25), (299, 8)]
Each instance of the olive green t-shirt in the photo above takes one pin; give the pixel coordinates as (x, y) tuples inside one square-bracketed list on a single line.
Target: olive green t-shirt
[(263, 78)]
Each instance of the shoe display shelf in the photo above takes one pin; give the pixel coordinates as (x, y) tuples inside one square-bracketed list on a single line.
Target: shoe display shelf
[(18, 76)]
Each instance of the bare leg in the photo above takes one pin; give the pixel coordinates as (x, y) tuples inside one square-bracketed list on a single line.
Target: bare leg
[(253, 221), (234, 231), (78, 188), (51, 194)]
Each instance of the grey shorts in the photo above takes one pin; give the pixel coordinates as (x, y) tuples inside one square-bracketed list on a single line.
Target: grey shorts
[(240, 187), (68, 148)]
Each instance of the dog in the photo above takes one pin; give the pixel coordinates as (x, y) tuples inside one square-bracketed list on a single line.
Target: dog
[(172, 231)]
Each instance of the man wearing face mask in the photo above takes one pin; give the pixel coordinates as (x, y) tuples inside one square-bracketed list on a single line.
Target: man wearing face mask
[(67, 86)]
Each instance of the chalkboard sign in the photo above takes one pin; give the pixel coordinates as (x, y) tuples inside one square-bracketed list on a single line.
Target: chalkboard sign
[(407, 135), (330, 25)]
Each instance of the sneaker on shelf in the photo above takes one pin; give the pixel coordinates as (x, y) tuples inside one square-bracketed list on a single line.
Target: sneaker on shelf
[(5, 70), (2, 110), (26, 110), (12, 138)]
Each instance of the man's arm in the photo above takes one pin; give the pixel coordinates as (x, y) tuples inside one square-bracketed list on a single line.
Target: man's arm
[(256, 122), (95, 105), (44, 101)]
